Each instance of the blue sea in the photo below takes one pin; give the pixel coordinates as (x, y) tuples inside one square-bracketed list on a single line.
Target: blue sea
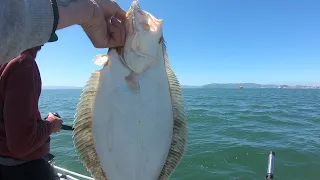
[(231, 132)]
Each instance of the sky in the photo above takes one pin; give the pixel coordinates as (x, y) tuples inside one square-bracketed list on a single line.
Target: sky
[(211, 41)]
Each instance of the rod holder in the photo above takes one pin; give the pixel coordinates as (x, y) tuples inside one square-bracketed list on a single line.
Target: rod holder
[(270, 174)]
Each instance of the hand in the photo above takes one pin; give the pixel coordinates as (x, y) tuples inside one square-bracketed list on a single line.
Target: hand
[(95, 18), (56, 122)]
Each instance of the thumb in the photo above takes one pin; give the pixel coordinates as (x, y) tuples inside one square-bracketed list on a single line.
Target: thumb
[(50, 115)]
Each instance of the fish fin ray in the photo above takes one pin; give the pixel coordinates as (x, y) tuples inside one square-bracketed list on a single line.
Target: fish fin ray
[(83, 139), (100, 59), (179, 137)]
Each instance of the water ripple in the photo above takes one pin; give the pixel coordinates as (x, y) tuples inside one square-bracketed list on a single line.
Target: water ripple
[(231, 132)]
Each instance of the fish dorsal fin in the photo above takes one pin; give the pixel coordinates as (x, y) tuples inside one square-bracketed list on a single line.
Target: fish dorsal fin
[(179, 137), (101, 59), (83, 139)]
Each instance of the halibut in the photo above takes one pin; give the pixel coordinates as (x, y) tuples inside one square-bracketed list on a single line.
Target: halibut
[(130, 122)]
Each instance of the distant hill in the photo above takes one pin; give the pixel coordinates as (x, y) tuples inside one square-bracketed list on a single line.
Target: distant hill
[(232, 85), (187, 86), (236, 85), (250, 85)]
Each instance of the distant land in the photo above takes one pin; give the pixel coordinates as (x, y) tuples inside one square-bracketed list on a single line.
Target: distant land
[(217, 85), (250, 86)]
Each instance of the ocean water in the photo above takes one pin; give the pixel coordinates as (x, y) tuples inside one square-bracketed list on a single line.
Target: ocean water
[(231, 132)]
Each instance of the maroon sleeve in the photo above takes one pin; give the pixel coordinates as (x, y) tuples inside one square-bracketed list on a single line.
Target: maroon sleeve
[(23, 131), (38, 114)]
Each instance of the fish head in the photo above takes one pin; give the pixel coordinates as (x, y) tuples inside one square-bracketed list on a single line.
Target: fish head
[(143, 38), (143, 21)]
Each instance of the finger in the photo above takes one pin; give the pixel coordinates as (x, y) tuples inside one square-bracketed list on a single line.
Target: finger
[(120, 14), (55, 117), (51, 115), (121, 28), (114, 36), (111, 8)]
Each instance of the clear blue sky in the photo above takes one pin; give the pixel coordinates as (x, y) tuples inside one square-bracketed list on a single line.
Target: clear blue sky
[(212, 41)]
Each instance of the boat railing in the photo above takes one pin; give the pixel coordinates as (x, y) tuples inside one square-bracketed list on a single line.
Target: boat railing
[(269, 175), (67, 173)]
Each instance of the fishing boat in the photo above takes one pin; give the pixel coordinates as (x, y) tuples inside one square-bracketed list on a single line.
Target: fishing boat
[(64, 174)]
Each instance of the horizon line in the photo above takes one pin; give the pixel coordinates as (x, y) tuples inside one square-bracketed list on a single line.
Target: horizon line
[(77, 87)]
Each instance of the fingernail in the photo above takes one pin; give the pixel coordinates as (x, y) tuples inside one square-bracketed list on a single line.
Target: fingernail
[(114, 19)]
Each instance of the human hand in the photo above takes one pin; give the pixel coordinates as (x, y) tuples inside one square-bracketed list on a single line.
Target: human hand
[(56, 122), (95, 18)]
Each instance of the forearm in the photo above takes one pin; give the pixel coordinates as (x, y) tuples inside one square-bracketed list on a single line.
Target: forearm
[(24, 24), (69, 11), (25, 134), (29, 142)]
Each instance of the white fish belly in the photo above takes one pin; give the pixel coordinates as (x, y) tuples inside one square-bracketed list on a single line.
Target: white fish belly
[(132, 130)]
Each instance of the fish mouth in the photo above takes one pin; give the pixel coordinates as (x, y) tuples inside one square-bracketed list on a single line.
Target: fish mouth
[(133, 7), (143, 19), (135, 4)]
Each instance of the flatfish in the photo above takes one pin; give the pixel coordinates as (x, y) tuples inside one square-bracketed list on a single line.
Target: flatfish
[(130, 121)]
